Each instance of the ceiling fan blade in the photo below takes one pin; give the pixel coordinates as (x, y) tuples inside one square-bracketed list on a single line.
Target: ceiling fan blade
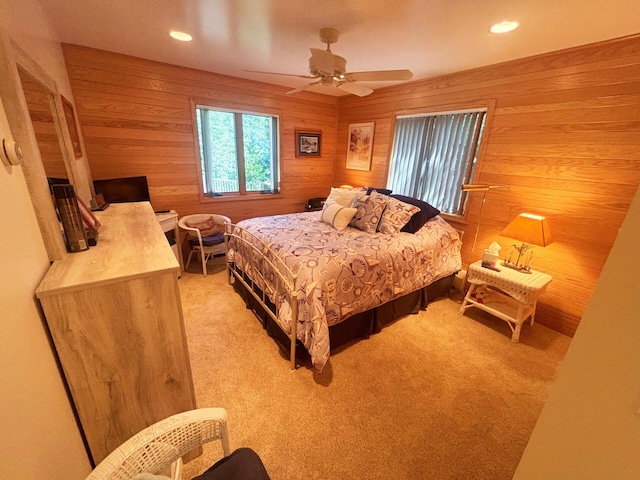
[(323, 60), (304, 87), (356, 89), (283, 74), (380, 76)]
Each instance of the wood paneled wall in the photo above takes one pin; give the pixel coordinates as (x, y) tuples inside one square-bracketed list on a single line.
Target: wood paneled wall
[(563, 131), (136, 118)]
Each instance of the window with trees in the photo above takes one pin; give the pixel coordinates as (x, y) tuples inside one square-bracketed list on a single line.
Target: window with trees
[(238, 151), (433, 154)]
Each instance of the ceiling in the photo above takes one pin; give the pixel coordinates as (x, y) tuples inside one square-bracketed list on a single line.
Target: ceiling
[(429, 37)]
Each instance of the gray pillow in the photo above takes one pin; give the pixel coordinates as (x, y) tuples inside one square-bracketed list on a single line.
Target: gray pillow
[(369, 210)]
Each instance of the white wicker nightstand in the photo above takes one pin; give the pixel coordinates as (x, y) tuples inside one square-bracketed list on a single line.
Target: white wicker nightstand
[(512, 295)]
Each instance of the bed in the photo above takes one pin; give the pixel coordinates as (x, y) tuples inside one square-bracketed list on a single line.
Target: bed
[(306, 278)]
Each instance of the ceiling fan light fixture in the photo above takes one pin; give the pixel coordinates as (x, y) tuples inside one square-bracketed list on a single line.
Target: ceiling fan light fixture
[(330, 70), (504, 26), (182, 36)]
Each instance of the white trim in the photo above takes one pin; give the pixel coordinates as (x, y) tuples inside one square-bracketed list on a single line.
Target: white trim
[(450, 112), (235, 110)]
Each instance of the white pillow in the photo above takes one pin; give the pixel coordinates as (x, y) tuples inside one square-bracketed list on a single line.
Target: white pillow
[(345, 196), (337, 216)]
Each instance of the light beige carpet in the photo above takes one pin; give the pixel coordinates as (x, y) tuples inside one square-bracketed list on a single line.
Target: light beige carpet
[(436, 395)]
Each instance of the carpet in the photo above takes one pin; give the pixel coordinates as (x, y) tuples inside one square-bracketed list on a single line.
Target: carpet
[(437, 395)]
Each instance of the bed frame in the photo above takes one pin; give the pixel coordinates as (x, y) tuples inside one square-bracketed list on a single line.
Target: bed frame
[(284, 276), (357, 326)]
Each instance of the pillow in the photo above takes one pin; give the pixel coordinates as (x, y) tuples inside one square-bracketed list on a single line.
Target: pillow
[(396, 215), (369, 211), (344, 196), (426, 213), (383, 191), (336, 215), (207, 227)]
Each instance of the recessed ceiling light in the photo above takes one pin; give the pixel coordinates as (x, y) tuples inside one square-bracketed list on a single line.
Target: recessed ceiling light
[(504, 27), (182, 36)]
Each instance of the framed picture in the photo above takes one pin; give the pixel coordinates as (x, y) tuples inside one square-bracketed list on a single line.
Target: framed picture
[(360, 146), (308, 144), (70, 116)]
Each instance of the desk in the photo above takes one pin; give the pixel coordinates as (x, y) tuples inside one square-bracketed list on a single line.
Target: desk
[(512, 295), (169, 221)]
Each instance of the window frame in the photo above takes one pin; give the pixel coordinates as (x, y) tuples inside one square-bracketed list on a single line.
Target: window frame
[(233, 107), (450, 108)]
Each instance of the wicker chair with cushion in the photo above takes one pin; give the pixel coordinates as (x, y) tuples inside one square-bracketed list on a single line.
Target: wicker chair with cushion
[(157, 451), (206, 236)]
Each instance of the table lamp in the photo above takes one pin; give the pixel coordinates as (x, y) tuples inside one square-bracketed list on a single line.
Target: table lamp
[(531, 230)]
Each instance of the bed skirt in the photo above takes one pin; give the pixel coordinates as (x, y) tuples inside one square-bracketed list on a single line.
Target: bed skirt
[(357, 326)]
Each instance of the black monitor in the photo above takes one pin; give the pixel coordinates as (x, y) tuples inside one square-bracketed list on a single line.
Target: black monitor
[(120, 190)]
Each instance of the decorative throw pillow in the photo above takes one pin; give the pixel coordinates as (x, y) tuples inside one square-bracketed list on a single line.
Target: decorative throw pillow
[(370, 208), (426, 213), (345, 196), (207, 227), (336, 215), (396, 215)]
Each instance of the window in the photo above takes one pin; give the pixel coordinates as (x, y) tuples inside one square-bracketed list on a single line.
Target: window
[(238, 151), (433, 155)]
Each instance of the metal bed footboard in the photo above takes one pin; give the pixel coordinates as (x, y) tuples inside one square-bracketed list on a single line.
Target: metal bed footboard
[(261, 252)]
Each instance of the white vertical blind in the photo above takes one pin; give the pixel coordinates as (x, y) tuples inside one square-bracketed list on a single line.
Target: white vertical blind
[(433, 155)]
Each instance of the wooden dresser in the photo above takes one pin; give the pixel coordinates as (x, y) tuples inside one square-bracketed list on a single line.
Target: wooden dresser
[(115, 317)]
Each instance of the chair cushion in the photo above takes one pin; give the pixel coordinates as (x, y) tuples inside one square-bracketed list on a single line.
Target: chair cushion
[(242, 464), (210, 241), (207, 227)]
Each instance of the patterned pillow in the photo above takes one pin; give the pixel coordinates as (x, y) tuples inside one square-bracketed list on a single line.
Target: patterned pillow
[(337, 215), (426, 213), (370, 208), (396, 215)]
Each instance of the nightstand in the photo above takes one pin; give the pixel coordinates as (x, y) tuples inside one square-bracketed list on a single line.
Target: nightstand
[(512, 295)]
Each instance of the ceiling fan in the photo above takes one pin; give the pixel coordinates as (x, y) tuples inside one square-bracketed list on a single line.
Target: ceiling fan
[(330, 70)]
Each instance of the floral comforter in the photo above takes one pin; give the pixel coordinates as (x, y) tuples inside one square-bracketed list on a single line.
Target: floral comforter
[(341, 273)]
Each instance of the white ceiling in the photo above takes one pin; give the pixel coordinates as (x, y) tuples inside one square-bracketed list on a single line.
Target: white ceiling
[(429, 37)]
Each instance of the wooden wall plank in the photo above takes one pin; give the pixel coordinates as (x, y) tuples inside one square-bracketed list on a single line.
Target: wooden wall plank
[(564, 135), (137, 120)]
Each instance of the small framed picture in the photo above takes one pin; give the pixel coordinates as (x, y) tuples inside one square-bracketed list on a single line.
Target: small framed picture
[(308, 144), (360, 146)]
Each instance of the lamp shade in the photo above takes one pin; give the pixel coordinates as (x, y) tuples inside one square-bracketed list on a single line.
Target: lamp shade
[(529, 228)]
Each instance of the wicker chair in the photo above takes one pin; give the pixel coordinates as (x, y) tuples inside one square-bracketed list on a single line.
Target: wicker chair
[(203, 246), (158, 449)]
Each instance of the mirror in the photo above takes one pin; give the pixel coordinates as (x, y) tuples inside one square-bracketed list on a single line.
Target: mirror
[(16, 66), (42, 112)]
